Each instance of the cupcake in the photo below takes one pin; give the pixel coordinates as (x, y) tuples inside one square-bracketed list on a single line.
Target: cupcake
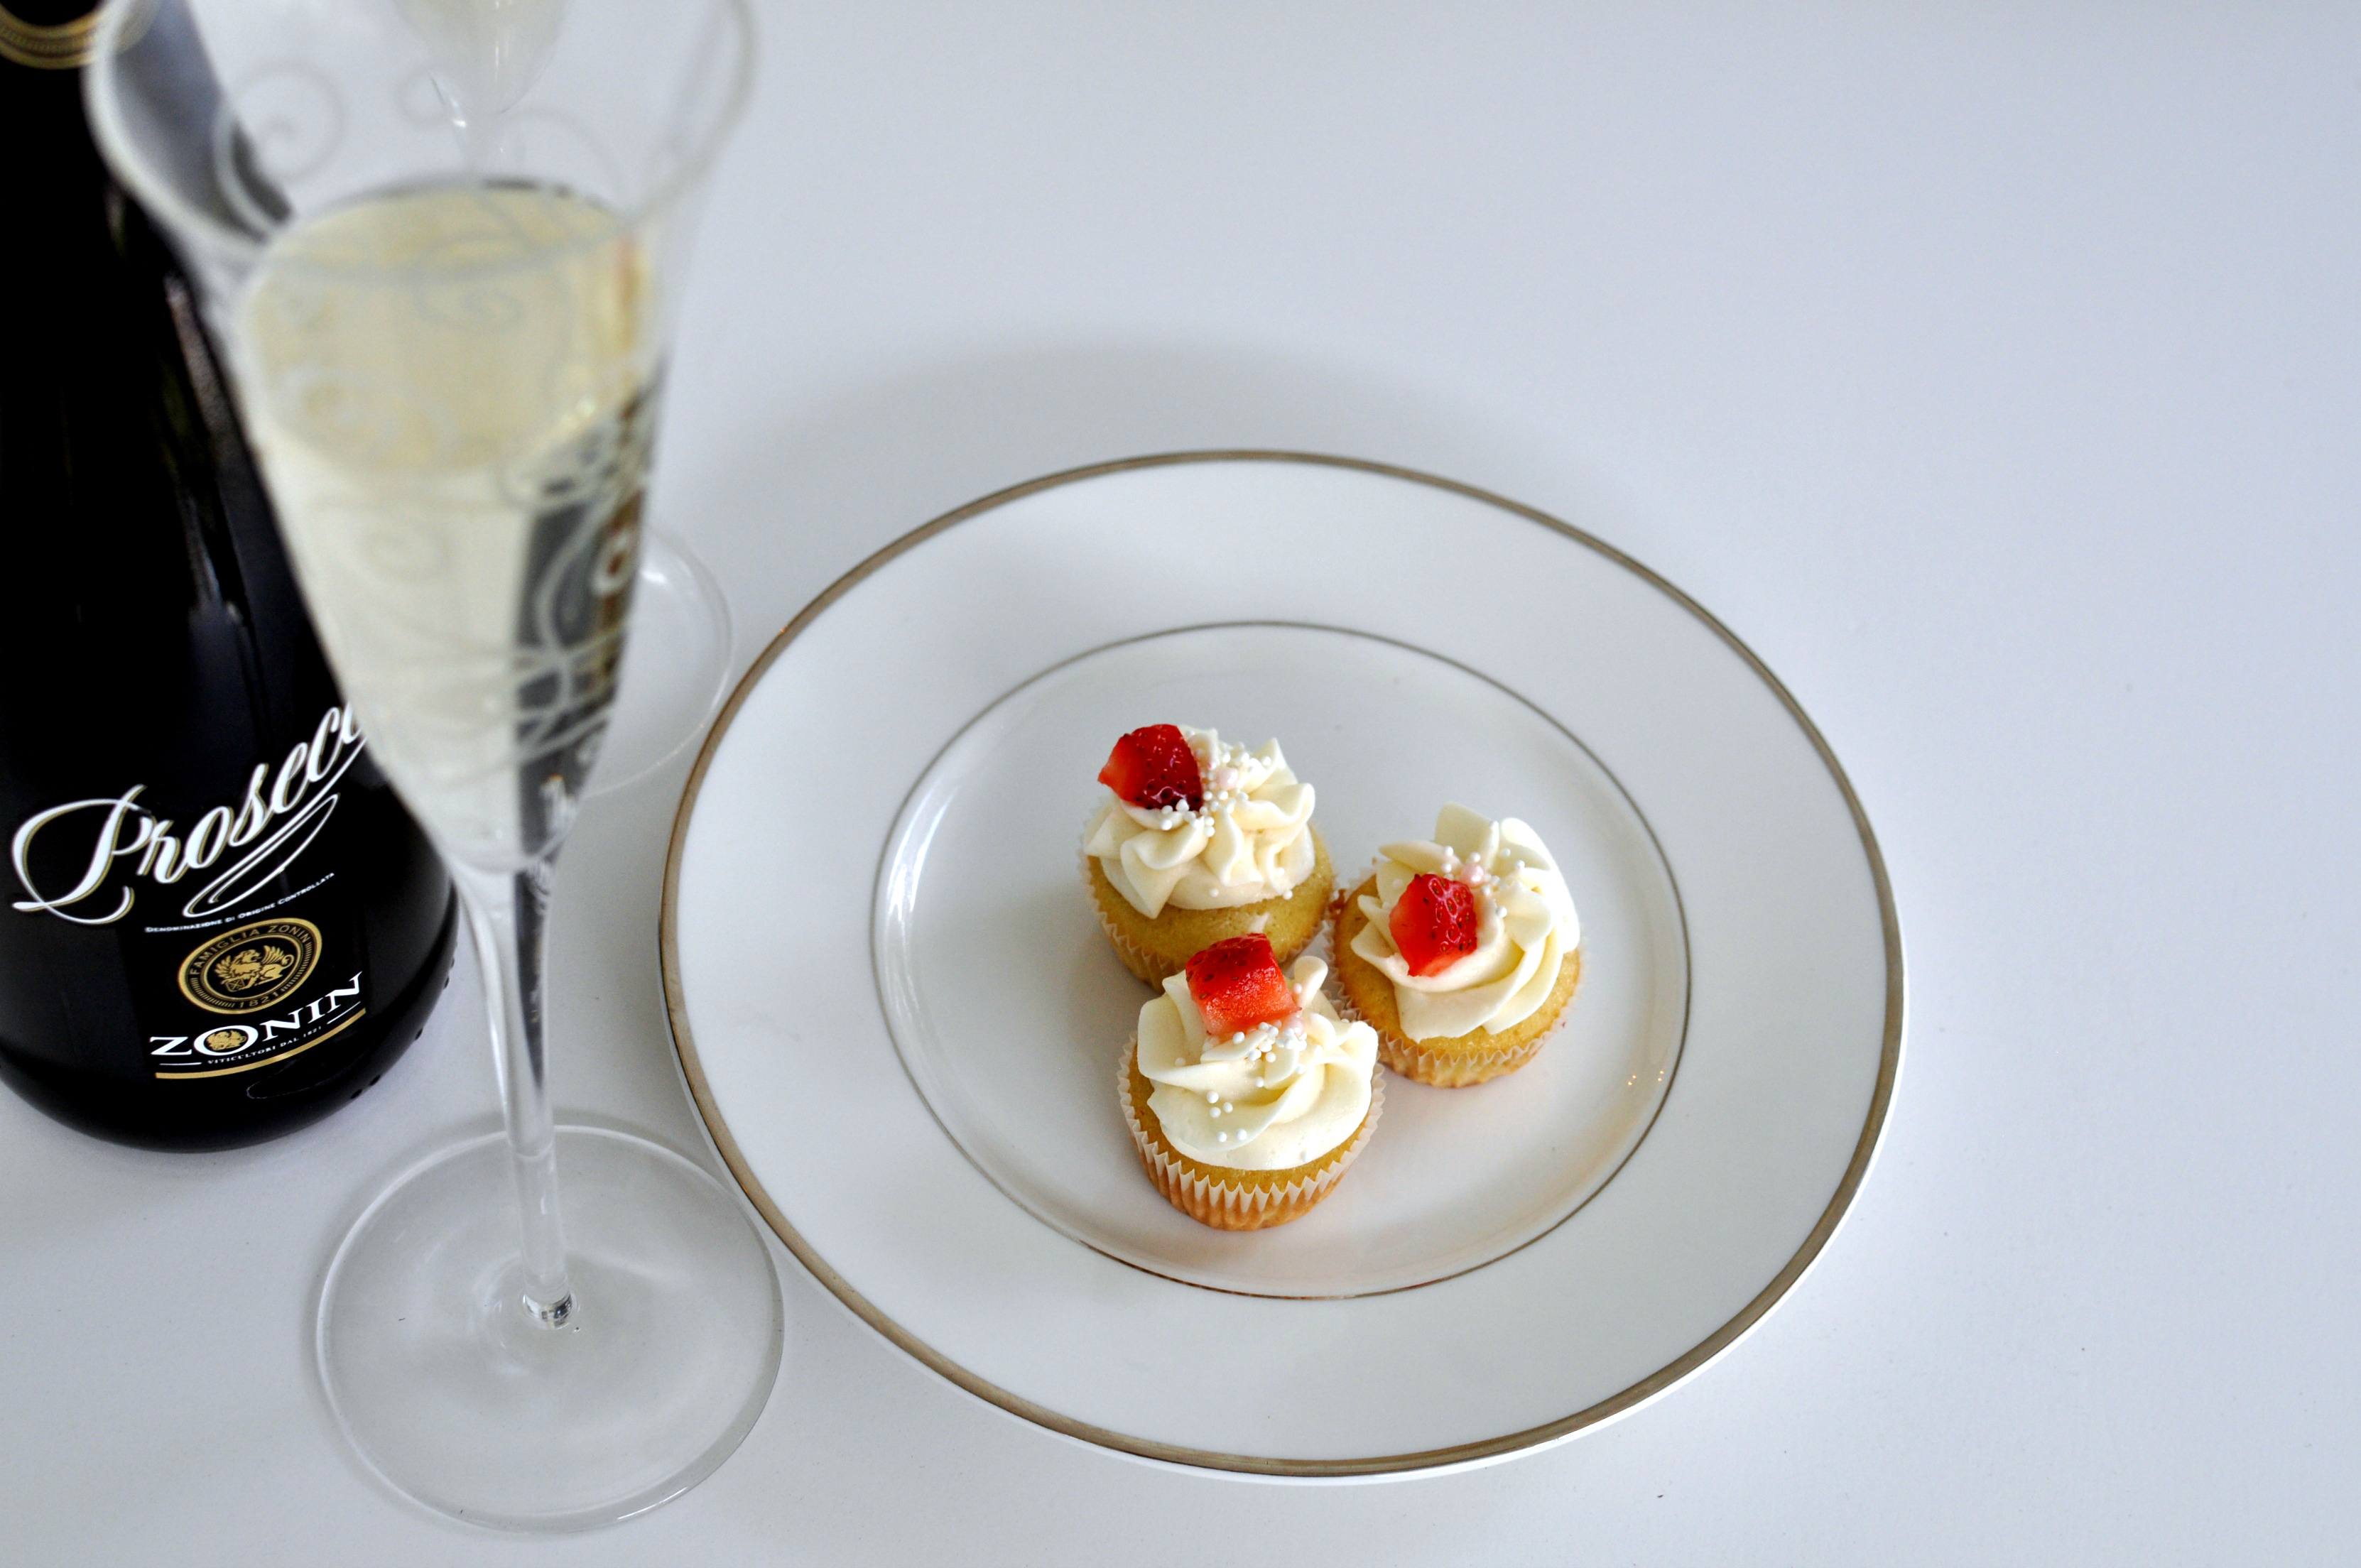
[(1199, 842), (1246, 1094), (1462, 953)]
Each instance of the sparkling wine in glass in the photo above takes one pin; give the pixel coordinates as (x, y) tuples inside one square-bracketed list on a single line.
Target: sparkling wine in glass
[(442, 241), (487, 54)]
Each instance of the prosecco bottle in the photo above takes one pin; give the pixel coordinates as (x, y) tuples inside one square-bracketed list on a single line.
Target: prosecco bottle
[(217, 923)]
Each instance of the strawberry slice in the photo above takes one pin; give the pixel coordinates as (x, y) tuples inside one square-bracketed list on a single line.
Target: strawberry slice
[(1155, 768), (1434, 923), (1237, 985)]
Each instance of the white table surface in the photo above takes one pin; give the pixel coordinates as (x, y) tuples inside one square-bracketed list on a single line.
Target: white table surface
[(1995, 371)]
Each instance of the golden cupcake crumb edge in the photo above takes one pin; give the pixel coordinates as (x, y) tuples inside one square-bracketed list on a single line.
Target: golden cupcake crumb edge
[(1154, 951)]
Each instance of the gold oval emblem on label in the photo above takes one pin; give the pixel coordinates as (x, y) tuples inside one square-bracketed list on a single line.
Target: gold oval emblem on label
[(248, 969)]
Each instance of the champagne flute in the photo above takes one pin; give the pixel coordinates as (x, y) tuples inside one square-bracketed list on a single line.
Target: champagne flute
[(676, 668), (447, 332), (486, 55)]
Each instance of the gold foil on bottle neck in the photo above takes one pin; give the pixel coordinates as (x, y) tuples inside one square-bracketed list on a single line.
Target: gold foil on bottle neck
[(62, 46)]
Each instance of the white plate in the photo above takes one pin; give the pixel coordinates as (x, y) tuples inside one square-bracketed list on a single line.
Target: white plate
[(900, 1022)]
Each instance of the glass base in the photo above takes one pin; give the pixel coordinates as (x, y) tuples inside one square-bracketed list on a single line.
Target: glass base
[(440, 1377), (675, 662)]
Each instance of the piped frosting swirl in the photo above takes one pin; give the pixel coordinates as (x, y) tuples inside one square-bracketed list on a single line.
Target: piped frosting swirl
[(1272, 1098), (1251, 841), (1526, 926)]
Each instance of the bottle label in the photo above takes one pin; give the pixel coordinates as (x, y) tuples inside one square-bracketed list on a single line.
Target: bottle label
[(256, 982), (253, 978), (82, 860)]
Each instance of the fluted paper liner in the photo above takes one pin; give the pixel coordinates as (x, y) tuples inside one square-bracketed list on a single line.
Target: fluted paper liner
[(1464, 1061), (1156, 965), (1231, 1200)]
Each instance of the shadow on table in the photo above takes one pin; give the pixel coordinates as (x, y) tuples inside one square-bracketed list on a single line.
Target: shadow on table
[(801, 493)]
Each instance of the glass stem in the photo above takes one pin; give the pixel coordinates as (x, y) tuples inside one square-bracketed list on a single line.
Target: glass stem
[(508, 914)]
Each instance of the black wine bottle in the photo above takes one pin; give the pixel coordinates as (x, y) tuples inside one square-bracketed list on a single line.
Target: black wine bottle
[(219, 923)]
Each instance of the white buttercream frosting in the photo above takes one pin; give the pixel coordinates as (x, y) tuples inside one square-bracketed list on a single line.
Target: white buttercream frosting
[(1276, 1097), (1526, 927), (1251, 839)]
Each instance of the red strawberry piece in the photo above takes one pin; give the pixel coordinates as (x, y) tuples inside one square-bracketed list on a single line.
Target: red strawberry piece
[(1155, 768), (1237, 985), (1434, 923)]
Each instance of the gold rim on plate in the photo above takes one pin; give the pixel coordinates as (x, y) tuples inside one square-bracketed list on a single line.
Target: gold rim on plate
[(1864, 1149)]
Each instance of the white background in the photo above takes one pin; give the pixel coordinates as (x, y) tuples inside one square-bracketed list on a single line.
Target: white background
[(1995, 371)]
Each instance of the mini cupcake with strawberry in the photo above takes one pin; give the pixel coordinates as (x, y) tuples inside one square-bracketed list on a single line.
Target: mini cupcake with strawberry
[(1246, 1094), (1462, 953), (1198, 841)]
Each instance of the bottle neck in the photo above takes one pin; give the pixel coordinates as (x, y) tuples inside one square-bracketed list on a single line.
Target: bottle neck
[(53, 185), (47, 35)]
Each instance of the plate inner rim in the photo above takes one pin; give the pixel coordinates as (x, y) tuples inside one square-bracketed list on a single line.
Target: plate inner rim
[(878, 906)]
